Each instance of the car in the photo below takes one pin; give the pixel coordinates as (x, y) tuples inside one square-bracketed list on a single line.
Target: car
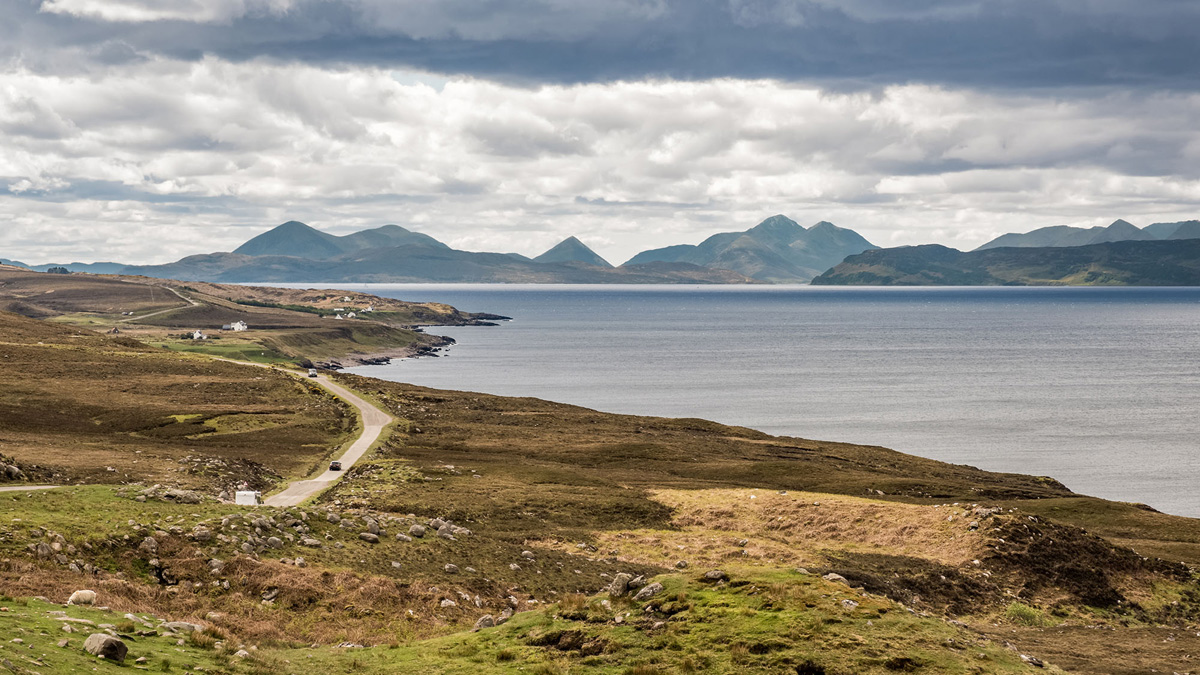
[(335, 466), (312, 372)]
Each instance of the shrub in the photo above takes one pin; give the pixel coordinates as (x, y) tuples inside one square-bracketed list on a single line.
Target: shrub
[(1024, 615)]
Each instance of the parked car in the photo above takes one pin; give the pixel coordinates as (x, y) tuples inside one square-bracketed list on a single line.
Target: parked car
[(335, 466), (312, 372)]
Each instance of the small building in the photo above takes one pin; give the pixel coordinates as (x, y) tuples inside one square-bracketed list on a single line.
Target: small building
[(247, 498), (351, 315), (370, 308), (236, 326), (339, 317), (346, 299), (198, 335)]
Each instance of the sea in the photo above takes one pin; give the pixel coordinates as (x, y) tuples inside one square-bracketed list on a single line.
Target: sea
[(1097, 387)]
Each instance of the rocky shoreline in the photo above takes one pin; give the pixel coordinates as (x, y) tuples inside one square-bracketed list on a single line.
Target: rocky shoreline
[(435, 344)]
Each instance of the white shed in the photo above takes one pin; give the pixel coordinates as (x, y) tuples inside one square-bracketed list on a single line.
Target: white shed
[(246, 498)]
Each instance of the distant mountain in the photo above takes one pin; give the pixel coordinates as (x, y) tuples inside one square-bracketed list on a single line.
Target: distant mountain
[(1188, 229), (777, 250), (90, 268), (1063, 235), (14, 263), (572, 250), (1121, 263), (420, 264), (298, 240)]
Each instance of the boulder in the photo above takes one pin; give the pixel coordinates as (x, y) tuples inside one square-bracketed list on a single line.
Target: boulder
[(528, 555), (400, 536), (715, 576), (181, 627), (369, 538), (274, 542), (836, 578), (106, 647), (149, 546), (183, 496), (82, 598), (451, 569), (485, 621), (620, 585), (417, 531), (648, 591)]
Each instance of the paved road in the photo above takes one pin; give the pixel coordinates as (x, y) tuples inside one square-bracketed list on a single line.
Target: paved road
[(18, 488), (373, 419)]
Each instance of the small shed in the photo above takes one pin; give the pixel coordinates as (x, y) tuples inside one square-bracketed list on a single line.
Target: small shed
[(246, 498)]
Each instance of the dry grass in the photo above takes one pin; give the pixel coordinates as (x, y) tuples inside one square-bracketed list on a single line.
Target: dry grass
[(792, 529)]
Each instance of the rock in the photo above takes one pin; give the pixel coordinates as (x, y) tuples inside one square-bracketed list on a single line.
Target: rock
[(637, 582), (528, 555), (836, 578), (448, 603), (141, 659), (451, 569), (681, 565), (64, 643), (333, 518), (301, 562), (505, 615), (275, 542), (369, 538), (241, 654), (400, 536), (446, 532), (715, 576), (201, 534), (43, 551), (485, 621), (849, 604), (106, 647), (82, 598), (973, 525), (270, 594), (620, 585), (149, 546), (648, 592), (183, 496), (514, 567), (1033, 661), (417, 531), (310, 542), (437, 523), (181, 627)]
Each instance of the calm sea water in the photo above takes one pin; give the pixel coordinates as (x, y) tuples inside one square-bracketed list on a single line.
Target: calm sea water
[(1098, 387)]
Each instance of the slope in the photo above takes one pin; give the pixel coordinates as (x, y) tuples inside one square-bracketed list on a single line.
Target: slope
[(572, 250)]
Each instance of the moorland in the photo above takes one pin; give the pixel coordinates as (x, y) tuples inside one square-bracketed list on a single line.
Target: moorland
[(494, 534)]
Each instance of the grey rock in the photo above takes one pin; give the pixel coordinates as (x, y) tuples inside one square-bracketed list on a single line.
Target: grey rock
[(106, 647), (620, 585), (417, 531), (715, 575), (402, 537), (275, 542), (451, 569), (369, 538), (528, 555), (836, 578), (648, 592), (485, 621), (181, 627)]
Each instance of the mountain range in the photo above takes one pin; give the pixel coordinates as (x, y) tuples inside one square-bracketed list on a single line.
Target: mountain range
[(1119, 230), (776, 250), (1120, 263)]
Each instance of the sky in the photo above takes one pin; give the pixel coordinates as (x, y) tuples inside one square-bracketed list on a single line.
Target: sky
[(142, 131)]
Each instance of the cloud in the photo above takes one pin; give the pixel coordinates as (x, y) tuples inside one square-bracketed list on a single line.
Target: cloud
[(844, 43), (156, 159)]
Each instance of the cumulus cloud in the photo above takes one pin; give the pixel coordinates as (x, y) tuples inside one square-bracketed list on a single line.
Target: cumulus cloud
[(150, 161)]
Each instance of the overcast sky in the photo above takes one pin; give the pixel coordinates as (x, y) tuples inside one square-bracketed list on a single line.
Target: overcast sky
[(145, 130)]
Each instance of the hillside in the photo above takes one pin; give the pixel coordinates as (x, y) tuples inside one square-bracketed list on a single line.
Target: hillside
[(295, 239), (741, 551), (776, 250), (1123, 263)]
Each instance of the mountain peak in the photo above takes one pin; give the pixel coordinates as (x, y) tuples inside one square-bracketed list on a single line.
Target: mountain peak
[(572, 250), (292, 238)]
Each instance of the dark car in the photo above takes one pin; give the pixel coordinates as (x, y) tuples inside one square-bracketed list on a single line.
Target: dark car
[(335, 466)]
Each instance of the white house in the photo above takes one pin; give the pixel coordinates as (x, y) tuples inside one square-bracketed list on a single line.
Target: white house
[(236, 326), (198, 335), (370, 308), (351, 315)]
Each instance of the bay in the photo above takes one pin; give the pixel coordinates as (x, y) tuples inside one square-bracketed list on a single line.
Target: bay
[(1097, 387)]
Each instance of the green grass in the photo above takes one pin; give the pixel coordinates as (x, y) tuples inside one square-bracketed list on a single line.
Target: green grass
[(1020, 613), (40, 633), (238, 351), (764, 621)]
